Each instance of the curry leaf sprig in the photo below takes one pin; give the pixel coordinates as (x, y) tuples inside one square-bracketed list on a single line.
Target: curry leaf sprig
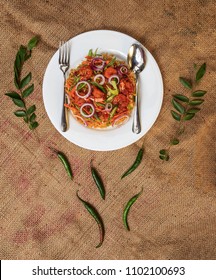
[(185, 108), (23, 86)]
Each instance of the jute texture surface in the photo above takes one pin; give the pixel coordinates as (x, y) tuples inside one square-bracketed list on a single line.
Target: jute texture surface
[(175, 217)]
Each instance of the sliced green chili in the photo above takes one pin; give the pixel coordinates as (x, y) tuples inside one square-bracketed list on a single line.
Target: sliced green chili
[(98, 181), (112, 113), (93, 212), (98, 86), (64, 161), (111, 62), (127, 208), (135, 164)]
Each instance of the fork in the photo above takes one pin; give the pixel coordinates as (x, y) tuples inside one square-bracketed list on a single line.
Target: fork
[(64, 60)]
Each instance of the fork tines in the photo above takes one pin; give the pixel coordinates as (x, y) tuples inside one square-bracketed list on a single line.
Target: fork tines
[(64, 52)]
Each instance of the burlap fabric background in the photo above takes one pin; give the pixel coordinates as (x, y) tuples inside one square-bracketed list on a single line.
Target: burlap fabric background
[(175, 218)]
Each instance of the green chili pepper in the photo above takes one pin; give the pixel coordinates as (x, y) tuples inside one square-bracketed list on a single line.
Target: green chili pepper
[(90, 53), (98, 86), (64, 161), (127, 208), (111, 62), (98, 181), (135, 164), (112, 113), (93, 212)]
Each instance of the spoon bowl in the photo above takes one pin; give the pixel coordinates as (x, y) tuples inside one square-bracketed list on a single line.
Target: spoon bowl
[(136, 62)]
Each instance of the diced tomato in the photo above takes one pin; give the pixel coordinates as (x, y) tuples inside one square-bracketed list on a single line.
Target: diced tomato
[(109, 72)]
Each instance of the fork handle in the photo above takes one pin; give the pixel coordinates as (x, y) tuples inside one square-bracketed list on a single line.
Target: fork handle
[(64, 111)]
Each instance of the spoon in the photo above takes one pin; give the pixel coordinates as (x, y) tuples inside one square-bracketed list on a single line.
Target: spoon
[(136, 62)]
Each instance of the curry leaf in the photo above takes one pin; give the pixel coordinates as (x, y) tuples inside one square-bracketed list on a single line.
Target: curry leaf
[(31, 110), (175, 115), (181, 97), (33, 43), (199, 93), (188, 117), (19, 102), (185, 83), (20, 113), (178, 106), (13, 94), (174, 141), (200, 73), (195, 102), (193, 110), (28, 91), (25, 80)]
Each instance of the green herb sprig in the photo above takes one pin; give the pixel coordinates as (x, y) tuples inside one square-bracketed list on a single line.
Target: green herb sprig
[(23, 89), (185, 108)]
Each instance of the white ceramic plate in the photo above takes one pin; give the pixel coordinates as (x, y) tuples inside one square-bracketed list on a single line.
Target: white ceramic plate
[(151, 92)]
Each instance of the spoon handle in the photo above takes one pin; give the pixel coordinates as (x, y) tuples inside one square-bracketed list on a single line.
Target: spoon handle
[(136, 127)]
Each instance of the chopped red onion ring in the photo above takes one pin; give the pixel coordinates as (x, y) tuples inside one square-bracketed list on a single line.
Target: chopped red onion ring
[(96, 67), (99, 76), (119, 118), (78, 117), (89, 89), (108, 107), (83, 113), (113, 77), (122, 70)]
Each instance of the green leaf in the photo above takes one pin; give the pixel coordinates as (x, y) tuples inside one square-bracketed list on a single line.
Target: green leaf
[(16, 82), (22, 53), (195, 102), (178, 106), (26, 80), (13, 95), (33, 125), (20, 113), (185, 83), (188, 117), (163, 152), (193, 110), (174, 141), (26, 119), (181, 97), (175, 115), (32, 117), (28, 91), (19, 102), (200, 73), (33, 42), (199, 93), (31, 110), (17, 63), (164, 157)]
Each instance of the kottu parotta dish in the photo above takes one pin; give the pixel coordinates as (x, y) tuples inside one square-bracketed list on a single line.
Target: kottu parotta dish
[(101, 91)]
